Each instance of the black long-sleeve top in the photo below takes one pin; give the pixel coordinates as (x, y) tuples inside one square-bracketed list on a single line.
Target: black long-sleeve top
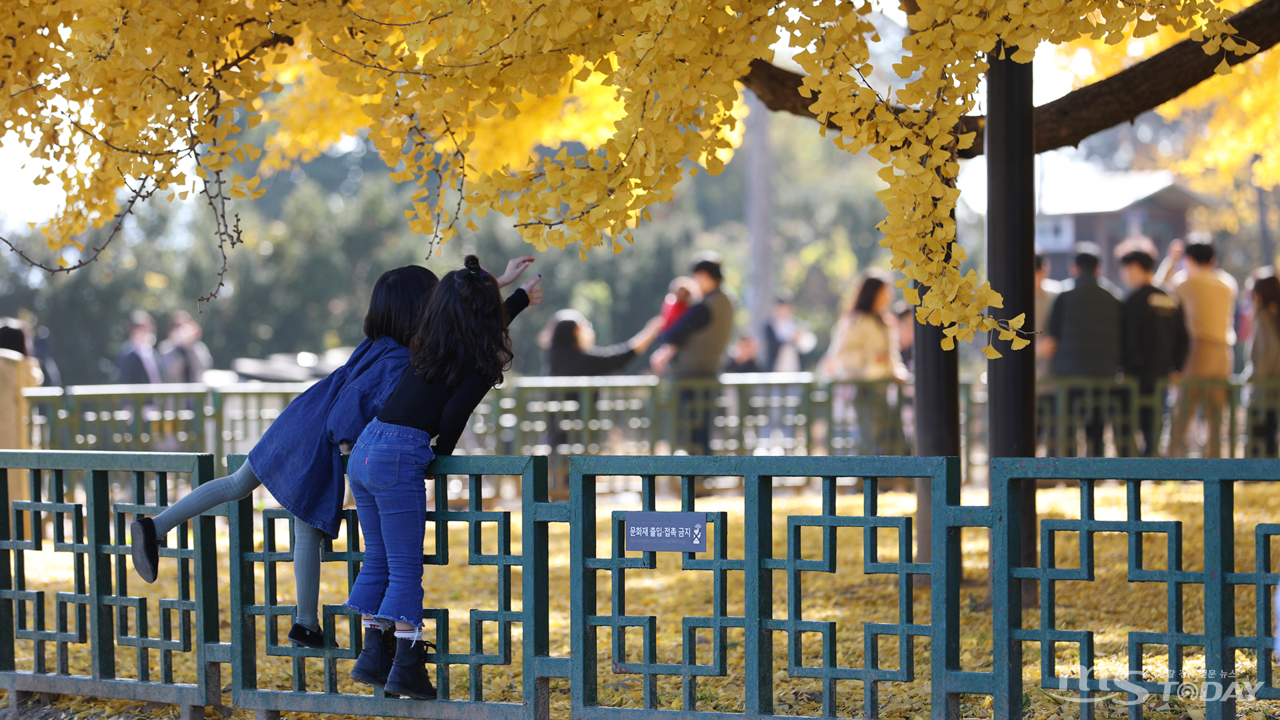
[(592, 361), (434, 407)]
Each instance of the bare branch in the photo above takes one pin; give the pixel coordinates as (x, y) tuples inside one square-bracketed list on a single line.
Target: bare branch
[(137, 194)]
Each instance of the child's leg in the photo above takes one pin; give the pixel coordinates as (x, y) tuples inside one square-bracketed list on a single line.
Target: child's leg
[(371, 584), (209, 495), (306, 573), (402, 506)]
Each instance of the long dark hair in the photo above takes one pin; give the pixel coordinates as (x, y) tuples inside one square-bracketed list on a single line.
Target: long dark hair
[(463, 328), (865, 302), (397, 302), (1267, 289), (14, 336)]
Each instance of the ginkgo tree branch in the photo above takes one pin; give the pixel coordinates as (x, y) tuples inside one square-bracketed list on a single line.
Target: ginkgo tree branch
[(1088, 110)]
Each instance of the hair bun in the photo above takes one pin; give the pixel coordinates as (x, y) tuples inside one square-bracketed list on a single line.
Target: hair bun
[(472, 263)]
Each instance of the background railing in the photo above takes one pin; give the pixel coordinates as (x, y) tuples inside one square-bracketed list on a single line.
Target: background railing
[(735, 414), (107, 630)]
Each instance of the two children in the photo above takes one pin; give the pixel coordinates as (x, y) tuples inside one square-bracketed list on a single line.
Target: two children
[(459, 353), (299, 458)]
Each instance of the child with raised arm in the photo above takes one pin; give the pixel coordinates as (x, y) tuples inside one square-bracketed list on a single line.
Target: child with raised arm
[(458, 355)]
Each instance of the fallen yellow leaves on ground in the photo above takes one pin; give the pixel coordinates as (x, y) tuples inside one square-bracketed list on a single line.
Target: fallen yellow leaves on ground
[(1110, 606)]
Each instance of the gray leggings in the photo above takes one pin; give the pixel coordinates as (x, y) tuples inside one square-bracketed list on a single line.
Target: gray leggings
[(306, 539)]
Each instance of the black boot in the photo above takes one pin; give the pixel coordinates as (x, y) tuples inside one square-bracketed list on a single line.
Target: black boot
[(408, 674), (145, 548), (375, 658)]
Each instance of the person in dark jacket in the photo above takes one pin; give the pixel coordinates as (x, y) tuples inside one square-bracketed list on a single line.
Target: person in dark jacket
[(1153, 342), (744, 358), (786, 339), (694, 348), (571, 351), (1084, 340), (139, 363), (571, 348), (299, 458)]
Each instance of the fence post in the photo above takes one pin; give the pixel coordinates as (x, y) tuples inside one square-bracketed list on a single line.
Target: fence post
[(101, 619), (1006, 593), (7, 635), (536, 589), (944, 603), (6, 580), (1219, 598), (582, 509), (209, 674), (758, 644), (244, 641)]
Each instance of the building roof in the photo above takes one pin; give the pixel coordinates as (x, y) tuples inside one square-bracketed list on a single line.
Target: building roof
[(1071, 186), (1069, 192)]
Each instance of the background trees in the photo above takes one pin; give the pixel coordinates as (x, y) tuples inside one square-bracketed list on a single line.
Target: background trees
[(319, 235)]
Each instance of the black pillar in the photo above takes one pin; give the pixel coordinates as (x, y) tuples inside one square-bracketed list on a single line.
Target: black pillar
[(937, 418), (1011, 380)]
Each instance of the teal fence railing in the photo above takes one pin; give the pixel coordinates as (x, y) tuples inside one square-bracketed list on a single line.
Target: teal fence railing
[(735, 414), (103, 634)]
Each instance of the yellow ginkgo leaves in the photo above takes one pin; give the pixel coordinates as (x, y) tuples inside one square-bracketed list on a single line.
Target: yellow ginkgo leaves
[(571, 117)]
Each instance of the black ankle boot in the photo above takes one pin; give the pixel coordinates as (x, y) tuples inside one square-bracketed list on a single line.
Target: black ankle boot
[(145, 548), (408, 674), (374, 662)]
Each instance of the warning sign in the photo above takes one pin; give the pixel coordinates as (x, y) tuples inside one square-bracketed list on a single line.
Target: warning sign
[(667, 531)]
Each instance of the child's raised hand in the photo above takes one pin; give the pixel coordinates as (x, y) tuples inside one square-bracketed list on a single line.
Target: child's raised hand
[(515, 267), (534, 291)]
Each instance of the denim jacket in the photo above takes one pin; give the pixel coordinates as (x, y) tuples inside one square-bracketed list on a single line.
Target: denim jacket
[(298, 458)]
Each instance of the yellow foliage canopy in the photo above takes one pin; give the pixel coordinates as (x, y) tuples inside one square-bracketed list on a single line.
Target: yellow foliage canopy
[(1236, 111), (457, 95)]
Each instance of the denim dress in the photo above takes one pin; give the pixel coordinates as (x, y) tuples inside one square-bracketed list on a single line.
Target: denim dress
[(298, 459)]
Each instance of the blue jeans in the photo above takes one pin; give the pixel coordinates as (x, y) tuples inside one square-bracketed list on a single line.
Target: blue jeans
[(387, 471)]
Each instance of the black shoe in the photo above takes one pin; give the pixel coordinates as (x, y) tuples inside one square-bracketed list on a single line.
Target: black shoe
[(374, 662), (408, 675), (306, 637), (146, 549)]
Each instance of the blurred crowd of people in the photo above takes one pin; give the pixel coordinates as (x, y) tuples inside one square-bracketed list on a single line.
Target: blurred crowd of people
[(26, 361), (182, 357), (1179, 320), (694, 329)]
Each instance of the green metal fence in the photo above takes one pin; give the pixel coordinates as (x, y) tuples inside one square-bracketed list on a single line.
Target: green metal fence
[(734, 414), (92, 497), (1218, 639), (1092, 417), (156, 418)]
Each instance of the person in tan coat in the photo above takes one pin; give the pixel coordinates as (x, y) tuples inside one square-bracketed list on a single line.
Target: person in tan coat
[(18, 370), (864, 347), (1207, 295)]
